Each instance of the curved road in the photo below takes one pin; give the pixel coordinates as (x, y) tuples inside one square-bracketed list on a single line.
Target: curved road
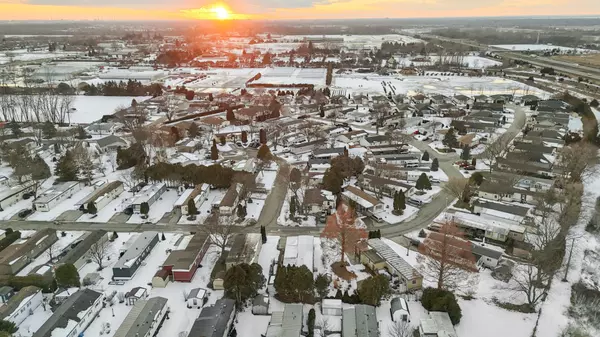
[(274, 203)]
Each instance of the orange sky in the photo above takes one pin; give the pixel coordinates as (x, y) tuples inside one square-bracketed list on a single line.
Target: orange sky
[(287, 9)]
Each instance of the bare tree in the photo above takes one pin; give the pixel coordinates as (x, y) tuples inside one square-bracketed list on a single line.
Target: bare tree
[(494, 150), (446, 257), (99, 252), (324, 327), (219, 230), (458, 188), (530, 281), (186, 295), (400, 328), (577, 162), (52, 251)]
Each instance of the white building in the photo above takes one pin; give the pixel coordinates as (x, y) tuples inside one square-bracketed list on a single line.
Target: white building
[(331, 307), (144, 319), (57, 194), (299, 251), (11, 195), (21, 305), (148, 194), (102, 195)]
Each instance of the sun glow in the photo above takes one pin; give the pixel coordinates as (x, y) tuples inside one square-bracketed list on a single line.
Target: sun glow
[(220, 12)]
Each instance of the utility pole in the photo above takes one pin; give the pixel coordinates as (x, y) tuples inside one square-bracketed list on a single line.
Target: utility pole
[(569, 260)]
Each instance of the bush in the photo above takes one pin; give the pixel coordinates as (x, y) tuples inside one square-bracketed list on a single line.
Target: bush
[(8, 326), (47, 285), (67, 275), (442, 300), (477, 178), (310, 322), (9, 239)]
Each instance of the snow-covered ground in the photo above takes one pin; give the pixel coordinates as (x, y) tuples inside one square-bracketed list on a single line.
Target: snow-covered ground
[(390, 218), (54, 250), (469, 61), (575, 124), (158, 208), (538, 47), (24, 55), (60, 208)]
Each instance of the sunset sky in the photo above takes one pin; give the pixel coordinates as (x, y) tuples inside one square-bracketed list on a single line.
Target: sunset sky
[(285, 9)]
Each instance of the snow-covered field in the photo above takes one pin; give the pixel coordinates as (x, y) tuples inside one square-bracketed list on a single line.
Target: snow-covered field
[(470, 61), (24, 55), (537, 47)]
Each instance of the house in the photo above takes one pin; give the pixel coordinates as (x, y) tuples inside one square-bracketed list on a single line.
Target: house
[(215, 320), (529, 100), (375, 140), (470, 126), (486, 257), (495, 107), (298, 251), (307, 146), (533, 147), (318, 201), (82, 250), (437, 324), (92, 279), (395, 265), (133, 257), (328, 153), (73, 316), (384, 186), (399, 310), (195, 299), (501, 210), (11, 195), (404, 160), (364, 201), (287, 323), (102, 196), (496, 191), (182, 264), (135, 294), (425, 110), (199, 194), (462, 100), (161, 279), (482, 99), (352, 136), (101, 128), (110, 143), (331, 307), (149, 194), (6, 293), (56, 194), (144, 319), (419, 98), (22, 252), (27, 143), (260, 305), (495, 230), (360, 321), (21, 305), (440, 99), (230, 200), (245, 249)]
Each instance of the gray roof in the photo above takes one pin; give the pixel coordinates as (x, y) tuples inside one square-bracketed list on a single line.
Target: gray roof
[(398, 303), (109, 140), (261, 300), (5, 290), (292, 320), (213, 320), (394, 260), (82, 247), (15, 302), (141, 317), (318, 161), (136, 248), (360, 321), (335, 150), (68, 310), (479, 250), (501, 207), (197, 293)]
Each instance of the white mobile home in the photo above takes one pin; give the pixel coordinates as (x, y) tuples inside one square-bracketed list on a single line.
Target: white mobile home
[(11, 195), (57, 194), (103, 195), (148, 194), (21, 305)]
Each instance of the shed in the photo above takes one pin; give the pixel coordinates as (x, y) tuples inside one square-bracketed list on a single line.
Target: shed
[(92, 279), (399, 310), (331, 307), (260, 305), (6, 293), (195, 298), (160, 279), (136, 294)]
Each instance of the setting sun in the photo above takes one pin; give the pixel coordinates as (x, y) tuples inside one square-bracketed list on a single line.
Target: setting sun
[(220, 12)]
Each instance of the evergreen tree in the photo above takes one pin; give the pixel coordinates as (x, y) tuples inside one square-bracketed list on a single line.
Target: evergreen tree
[(242, 282), (466, 153), (15, 128), (193, 130), (264, 153), (292, 207), (401, 201), (395, 205), (48, 130), (230, 116), (322, 283), (262, 135), (333, 180), (423, 182), (115, 235), (214, 152), (192, 210), (66, 275), (425, 156), (474, 162), (373, 289), (263, 234), (435, 165), (163, 238), (450, 139), (66, 168), (92, 208)]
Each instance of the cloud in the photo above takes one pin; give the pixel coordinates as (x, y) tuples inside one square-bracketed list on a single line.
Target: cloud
[(236, 5)]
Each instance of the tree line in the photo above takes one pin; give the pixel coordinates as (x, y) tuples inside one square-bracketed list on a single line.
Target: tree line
[(121, 88)]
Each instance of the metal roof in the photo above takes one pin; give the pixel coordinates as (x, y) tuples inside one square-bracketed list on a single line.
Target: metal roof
[(135, 249), (360, 321), (82, 247), (141, 317), (394, 260), (292, 320), (213, 320)]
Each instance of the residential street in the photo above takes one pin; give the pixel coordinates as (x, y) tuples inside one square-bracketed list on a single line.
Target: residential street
[(276, 198)]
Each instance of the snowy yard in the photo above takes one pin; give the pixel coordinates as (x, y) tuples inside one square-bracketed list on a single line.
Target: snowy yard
[(63, 206), (54, 250), (158, 208), (390, 218), (106, 213)]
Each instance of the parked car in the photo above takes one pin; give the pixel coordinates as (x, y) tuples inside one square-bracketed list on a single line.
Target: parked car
[(27, 195), (25, 213)]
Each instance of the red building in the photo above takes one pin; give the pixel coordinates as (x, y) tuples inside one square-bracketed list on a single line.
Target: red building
[(182, 264)]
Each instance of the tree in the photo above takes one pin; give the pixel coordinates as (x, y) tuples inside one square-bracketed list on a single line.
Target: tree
[(310, 322), (442, 300), (333, 180), (15, 129), (423, 182), (8, 327), (219, 230), (494, 150), (466, 152), (262, 135), (401, 201), (577, 162), (425, 156), (373, 289), (99, 251), (329, 74), (48, 130), (244, 137), (242, 282), (458, 188), (322, 282), (193, 130), (264, 153), (189, 95), (144, 208), (263, 234), (294, 284), (446, 257), (400, 328), (450, 139), (435, 165), (230, 116), (594, 103), (292, 207), (476, 178), (214, 152), (66, 275), (342, 226), (66, 168), (266, 59), (91, 208), (192, 210)]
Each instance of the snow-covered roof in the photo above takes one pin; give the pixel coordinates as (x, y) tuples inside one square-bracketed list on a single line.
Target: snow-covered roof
[(394, 260), (299, 251), (133, 252)]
